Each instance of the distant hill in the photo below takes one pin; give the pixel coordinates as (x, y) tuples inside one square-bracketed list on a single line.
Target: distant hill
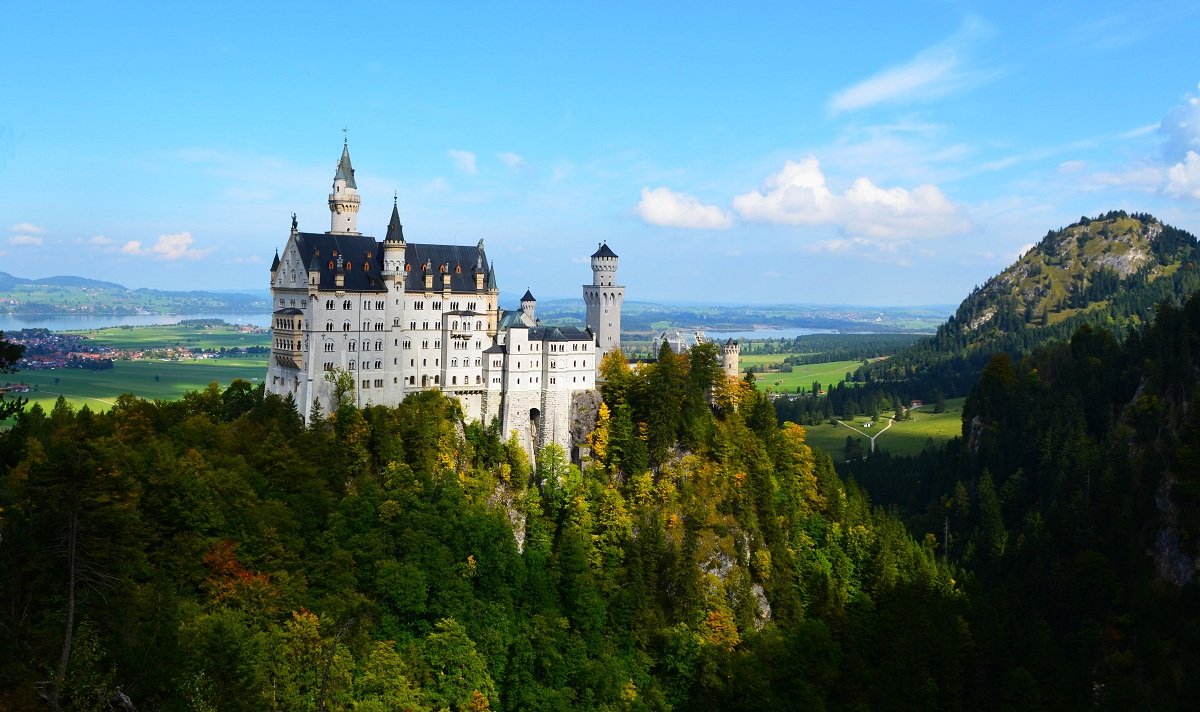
[(80, 295), (1108, 272)]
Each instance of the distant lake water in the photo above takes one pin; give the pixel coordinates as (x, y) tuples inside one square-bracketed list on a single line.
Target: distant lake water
[(10, 323), (765, 333)]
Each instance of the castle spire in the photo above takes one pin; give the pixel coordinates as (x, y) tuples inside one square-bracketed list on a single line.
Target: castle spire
[(344, 201), (395, 230)]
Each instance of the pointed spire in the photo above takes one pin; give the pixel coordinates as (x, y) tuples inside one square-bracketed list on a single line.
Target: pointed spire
[(275, 262), (491, 278), (528, 297), (395, 231), (344, 170)]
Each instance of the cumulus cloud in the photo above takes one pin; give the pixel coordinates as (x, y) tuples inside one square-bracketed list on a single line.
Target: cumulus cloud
[(665, 207), (1181, 129), (512, 160), (799, 195), (1183, 178), (24, 240), (27, 229), (463, 160), (171, 247), (932, 73)]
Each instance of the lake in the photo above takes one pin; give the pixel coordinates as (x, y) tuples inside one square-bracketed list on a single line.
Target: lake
[(760, 334), (12, 323)]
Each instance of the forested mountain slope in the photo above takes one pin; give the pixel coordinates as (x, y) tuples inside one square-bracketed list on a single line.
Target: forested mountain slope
[(1073, 497), (1108, 272)]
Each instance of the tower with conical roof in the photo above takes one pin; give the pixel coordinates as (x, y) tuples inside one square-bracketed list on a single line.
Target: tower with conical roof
[(344, 201), (604, 298), (393, 249)]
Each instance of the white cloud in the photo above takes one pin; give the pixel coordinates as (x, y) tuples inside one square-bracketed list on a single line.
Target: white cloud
[(1183, 179), (1071, 166), (1023, 249), (463, 160), (100, 240), (934, 72), (27, 229), (1181, 127), (799, 195), (251, 260), (24, 240), (863, 248), (512, 160), (171, 247), (665, 207)]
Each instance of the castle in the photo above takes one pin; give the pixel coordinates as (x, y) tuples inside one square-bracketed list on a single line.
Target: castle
[(403, 317)]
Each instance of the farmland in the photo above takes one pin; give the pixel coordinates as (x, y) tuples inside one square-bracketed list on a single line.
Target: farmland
[(904, 437), (829, 374)]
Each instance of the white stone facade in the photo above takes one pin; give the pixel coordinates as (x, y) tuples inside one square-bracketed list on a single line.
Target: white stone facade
[(406, 317)]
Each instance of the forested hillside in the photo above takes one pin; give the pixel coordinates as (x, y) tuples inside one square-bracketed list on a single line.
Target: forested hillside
[(1109, 273), (213, 553), (1073, 498)]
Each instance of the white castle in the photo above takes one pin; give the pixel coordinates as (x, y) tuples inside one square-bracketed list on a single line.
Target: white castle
[(403, 317)]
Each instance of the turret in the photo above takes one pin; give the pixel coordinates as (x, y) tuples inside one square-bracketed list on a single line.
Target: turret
[(314, 271), (393, 247), (604, 266), (730, 354), (344, 201), (528, 304), (603, 298)]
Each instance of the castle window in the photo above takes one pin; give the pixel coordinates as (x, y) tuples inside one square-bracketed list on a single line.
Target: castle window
[(412, 326), (552, 380), (453, 363), (407, 344), (454, 380), (379, 345), (329, 326), (454, 325), (419, 305), (329, 304), (366, 383), (478, 325), (424, 381), (351, 365), (379, 305), (412, 362), (425, 344), (329, 346), (478, 362), (471, 306), (424, 362), (351, 346), (412, 380), (346, 326), (437, 380), (346, 304), (379, 382), (366, 304), (437, 306), (424, 325), (478, 380), (437, 344), (453, 306)]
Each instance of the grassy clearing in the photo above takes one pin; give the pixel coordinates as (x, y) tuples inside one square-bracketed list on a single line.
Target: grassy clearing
[(165, 336), (166, 380), (906, 437), (829, 374)]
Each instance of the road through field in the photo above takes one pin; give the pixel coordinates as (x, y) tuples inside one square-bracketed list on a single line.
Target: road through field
[(890, 421)]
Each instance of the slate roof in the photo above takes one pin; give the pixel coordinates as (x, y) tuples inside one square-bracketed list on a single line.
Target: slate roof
[(344, 169), (288, 311), (528, 297), (363, 262), (604, 251), (558, 333), (395, 231), (511, 318), (275, 262), (457, 260)]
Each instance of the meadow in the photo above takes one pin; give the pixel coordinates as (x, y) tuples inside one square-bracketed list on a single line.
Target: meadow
[(905, 437), (149, 379), (829, 374), (165, 336)]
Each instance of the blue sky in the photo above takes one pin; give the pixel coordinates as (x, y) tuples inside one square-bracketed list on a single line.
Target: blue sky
[(888, 154)]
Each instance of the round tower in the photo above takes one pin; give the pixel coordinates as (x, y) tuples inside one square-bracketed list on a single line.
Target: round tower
[(344, 201), (730, 354), (393, 247), (604, 298)]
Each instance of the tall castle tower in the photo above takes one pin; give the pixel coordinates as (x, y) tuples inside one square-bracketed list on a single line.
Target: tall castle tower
[(604, 299), (344, 201), (730, 354)]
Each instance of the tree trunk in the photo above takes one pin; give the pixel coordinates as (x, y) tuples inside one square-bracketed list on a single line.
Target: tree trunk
[(60, 679)]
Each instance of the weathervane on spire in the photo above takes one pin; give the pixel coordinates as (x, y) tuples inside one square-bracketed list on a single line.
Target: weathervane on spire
[(346, 135)]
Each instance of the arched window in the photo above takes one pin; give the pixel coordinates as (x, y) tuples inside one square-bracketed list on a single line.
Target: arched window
[(346, 326), (478, 325), (329, 326), (478, 380), (379, 345), (351, 346), (379, 364), (454, 380), (346, 304), (453, 363)]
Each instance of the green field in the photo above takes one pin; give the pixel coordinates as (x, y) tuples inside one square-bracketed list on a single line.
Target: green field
[(159, 337), (905, 437), (829, 374), (167, 380)]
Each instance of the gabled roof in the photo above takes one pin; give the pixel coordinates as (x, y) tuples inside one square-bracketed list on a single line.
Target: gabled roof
[(344, 170), (604, 251)]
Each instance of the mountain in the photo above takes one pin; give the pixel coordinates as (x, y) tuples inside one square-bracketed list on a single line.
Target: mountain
[(80, 295), (1108, 272)]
